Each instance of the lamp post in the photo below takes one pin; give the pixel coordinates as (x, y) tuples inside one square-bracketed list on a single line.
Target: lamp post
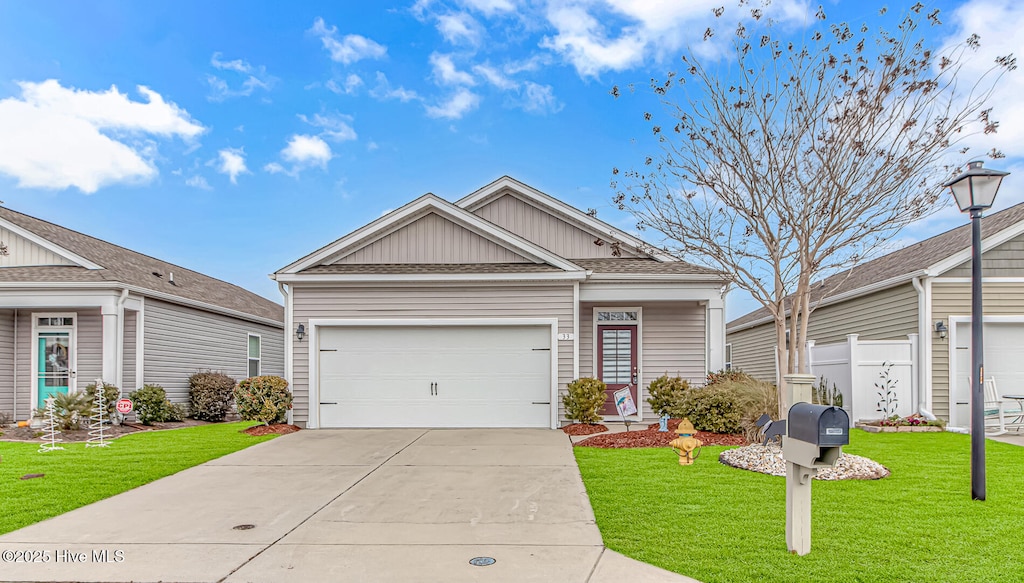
[(974, 191)]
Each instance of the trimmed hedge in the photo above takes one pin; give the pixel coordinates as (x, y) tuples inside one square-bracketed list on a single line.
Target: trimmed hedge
[(152, 406), (209, 395), (667, 393), (264, 398)]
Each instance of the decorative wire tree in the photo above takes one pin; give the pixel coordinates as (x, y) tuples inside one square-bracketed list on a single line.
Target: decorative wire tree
[(50, 431), (97, 438)]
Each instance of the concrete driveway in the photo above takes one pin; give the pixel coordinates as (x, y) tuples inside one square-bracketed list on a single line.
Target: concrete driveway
[(344, 505)]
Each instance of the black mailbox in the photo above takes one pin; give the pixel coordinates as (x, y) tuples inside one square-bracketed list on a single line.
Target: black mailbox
[(821, 425)]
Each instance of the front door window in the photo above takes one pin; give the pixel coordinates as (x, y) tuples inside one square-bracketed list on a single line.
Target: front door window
[(53, 367), (617, 366)]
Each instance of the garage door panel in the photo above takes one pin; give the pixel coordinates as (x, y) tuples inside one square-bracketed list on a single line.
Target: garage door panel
[(1004, 347), (423, 376)]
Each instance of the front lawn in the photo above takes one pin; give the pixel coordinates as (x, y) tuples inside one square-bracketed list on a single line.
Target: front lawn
[(719, 524), (76, 476)]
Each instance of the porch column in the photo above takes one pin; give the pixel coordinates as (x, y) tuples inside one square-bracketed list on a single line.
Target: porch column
[(111, 323), (715, 315)]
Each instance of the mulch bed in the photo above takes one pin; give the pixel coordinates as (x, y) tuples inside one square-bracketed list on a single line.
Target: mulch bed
[(584, 429), (78, 435), (278, 428), (651, 437)]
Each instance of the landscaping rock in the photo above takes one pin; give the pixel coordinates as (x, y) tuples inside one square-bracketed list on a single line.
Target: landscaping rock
[(768, 460)]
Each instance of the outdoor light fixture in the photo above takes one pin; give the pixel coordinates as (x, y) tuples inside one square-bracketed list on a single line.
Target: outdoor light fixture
[(940, 329), (300, 332), (974, 191)]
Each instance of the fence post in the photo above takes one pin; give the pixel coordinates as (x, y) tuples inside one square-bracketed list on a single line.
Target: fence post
[(915, 382), (851, 347)]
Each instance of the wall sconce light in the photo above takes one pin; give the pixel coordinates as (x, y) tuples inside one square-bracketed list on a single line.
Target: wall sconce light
[(941, 330), (300, 332)]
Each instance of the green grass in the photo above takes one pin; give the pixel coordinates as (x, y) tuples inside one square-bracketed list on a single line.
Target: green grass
[(719, 524), (76, 476)]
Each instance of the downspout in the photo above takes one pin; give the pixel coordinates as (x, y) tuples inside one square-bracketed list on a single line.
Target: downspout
[(288, 348), (119, 341), (924, 346), (15, 352)]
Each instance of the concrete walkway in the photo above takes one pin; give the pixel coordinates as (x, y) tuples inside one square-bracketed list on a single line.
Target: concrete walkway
[(344, 505)]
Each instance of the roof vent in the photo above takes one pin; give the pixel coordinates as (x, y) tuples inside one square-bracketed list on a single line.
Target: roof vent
[(158, 274), (170, 278)]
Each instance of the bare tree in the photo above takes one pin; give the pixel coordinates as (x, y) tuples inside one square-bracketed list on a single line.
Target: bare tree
[(803, 158)]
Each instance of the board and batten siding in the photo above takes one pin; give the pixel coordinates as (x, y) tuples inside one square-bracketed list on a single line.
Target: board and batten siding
[(1006, 260), (181, 340), (432, 239), (7, 363), (884, 315), (954, 299), (24, 253), (544, 229), (428, 301), (671, 342)]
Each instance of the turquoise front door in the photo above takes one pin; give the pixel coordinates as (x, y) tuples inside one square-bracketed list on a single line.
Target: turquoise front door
[(53, 367)]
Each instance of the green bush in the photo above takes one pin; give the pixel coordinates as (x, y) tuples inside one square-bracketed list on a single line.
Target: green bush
[(584, 399), (263, 398), (666, 393), (209, 395), (733, 374), (110, 396), (710, 409), (152, 406), (69, 410)]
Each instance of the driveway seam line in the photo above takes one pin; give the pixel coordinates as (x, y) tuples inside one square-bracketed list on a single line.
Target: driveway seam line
[(596, 563), (328, 503)]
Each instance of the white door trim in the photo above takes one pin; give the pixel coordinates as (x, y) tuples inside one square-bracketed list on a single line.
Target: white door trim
[(639, 351), (72, 331), (313, 330), (953, 322)]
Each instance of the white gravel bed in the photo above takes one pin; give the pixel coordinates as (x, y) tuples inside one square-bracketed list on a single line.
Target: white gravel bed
[(768, 460)]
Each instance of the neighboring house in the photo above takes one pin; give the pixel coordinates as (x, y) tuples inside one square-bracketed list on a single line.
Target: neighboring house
[(74, 308), (479, 313), (920, 294)]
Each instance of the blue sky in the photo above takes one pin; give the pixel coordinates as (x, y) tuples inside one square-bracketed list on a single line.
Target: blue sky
[(241, 136)]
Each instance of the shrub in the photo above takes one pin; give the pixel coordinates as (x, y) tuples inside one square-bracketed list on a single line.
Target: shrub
[(729, 406), (263, 398), (110, 396), (209, 395), (734, 374), (69, 410), (584, 400), (666, 393), (152, 406)]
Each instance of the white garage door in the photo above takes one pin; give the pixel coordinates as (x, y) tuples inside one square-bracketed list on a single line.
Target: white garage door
[(1004, 347), (440, 376)]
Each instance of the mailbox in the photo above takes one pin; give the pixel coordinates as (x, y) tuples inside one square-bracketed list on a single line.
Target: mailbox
[(821, 425)]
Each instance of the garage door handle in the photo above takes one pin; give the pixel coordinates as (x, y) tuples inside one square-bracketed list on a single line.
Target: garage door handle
[(328, 350), (548, 349), (328, 402), (963, 402), (542, 402)]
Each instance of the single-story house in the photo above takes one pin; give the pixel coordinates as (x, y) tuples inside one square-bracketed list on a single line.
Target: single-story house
[(74, 308), (479, 313), (920, 294)]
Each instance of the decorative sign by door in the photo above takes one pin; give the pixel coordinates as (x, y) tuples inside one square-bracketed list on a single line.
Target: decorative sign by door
[(624, 402)]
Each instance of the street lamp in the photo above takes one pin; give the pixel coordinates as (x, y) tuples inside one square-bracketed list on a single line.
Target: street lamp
[(974, 191)]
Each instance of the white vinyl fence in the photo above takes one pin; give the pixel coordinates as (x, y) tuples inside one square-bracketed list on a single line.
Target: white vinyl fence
[(855, 366)]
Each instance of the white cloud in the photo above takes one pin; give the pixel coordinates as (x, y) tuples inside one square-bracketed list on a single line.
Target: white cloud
[(495, 77), (255, 78), (384, 91), (539, 99), (57, 137), (348, 49), (349, 86), (462, 102), (459, 28), (336, 127), (275, 168), (307, 151), (198, 182), (232, 163), (490, 7), (445, 72), (372, 146)]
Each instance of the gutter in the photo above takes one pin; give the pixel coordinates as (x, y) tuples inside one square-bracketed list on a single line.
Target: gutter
[(288, 348), (15, 352), (924, 345), (119, 341)]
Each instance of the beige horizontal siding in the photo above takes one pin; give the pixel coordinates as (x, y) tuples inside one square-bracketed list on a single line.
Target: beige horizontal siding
[(23, 253), (128, 352), (540, 227), (181, 340), (1006, 260), (432, 239), (428, 301), (7, 362), (954, 299), (753, 351), (671, 342)]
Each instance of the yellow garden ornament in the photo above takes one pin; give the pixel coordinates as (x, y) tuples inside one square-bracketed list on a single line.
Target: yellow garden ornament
[(686, 445)]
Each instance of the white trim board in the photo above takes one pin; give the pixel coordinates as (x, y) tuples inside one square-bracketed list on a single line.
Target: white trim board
[(49, 245), (315, 324), (966, 253), (72, 331), (426, 277)]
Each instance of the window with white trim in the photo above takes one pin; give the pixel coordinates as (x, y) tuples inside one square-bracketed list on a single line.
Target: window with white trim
[(623, 316), (728, 356), (255, 350)]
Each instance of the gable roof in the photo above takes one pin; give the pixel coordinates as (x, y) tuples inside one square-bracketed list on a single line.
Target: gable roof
[(567, 212), (100, 261), (930, 257), (426, 204)]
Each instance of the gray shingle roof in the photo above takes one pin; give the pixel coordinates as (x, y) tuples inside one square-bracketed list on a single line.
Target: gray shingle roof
[(447, 268), (630, 265), (905, 261), (129, 267)]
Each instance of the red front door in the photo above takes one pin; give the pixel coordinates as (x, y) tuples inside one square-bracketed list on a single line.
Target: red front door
[(616, 363)]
